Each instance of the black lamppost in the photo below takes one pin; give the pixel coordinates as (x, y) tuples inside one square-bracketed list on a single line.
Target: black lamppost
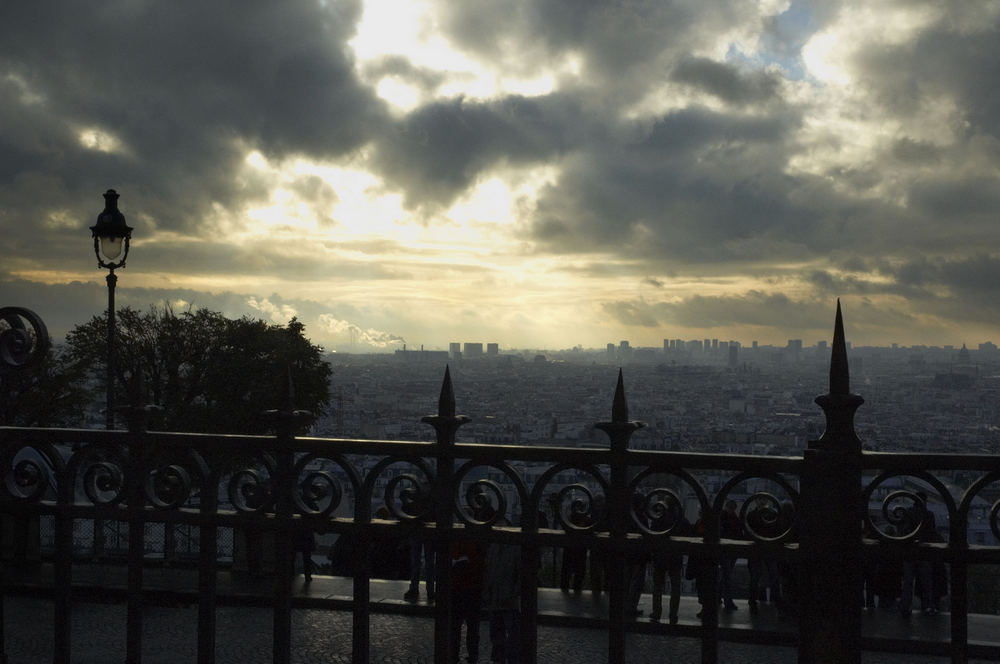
[(111, 240)]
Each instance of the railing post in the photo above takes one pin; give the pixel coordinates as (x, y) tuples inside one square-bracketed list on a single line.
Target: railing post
[(136, 537), (285, 421), (619, 431), (207, 568), (137, 418), (445, 425), (831, 525), (958, 542), (63, 568)]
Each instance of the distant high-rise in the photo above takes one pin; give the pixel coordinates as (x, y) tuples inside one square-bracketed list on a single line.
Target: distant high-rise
[(611, 349), (715, 345), (706, 345), (755, 346), (455, 350), (734, 355), (472, 349), (492, 349)]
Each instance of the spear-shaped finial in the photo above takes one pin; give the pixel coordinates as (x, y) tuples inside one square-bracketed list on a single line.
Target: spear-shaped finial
[(446, 402), (840, 379), (619, 429), (446, 422), (839, 404), (619, 407)]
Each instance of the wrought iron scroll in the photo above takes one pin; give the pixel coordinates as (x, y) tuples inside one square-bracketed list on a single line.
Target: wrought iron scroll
[(318, 492), (903, 509), (30, 473), (485, 502), (24, 338)]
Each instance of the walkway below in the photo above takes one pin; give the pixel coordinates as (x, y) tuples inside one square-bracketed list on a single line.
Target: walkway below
[(401, 631)]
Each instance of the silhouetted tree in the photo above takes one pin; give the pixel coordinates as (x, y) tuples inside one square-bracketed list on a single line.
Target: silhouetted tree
[(209, 373)]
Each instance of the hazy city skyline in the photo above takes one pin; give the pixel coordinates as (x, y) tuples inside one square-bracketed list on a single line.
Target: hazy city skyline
[(534, 173)]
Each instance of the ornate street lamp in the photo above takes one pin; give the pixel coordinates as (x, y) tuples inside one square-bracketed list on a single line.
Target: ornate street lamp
[(111, 240)]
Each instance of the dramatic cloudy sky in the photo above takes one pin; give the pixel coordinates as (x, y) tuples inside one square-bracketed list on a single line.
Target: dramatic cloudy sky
[(538, 173)]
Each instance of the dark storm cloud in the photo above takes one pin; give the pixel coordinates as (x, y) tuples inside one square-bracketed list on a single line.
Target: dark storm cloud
[(726, 82), (437, 151), (943, 61), (961, 289), (186, 88), (699, 185), (622, 44), (753, 308)]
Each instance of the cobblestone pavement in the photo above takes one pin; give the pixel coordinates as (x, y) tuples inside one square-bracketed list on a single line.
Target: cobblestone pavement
[(244, 637)]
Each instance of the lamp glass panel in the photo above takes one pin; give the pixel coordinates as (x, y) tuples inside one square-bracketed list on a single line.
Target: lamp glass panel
[(111, 247)]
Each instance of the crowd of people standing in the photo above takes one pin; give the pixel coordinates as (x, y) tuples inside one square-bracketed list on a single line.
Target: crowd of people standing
[(485, 577)]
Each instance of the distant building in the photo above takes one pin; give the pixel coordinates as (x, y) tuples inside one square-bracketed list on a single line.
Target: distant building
[(492, 349), (455, 350), (472, 349), (734, 355)]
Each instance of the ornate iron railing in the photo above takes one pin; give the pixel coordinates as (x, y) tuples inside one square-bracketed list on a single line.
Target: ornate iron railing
[(614, 500)]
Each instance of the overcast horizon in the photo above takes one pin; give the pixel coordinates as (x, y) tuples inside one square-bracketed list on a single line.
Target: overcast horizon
[(535, 173)]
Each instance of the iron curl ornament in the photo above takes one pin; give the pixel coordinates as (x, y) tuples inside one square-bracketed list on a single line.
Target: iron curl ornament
[(578, 509), (249, 491), (28, 479), (168, 486), (104, 482), (24, 339), (317, 492), (765, 518), (661, 508), (904, 511), (485, 504), (408, 498)]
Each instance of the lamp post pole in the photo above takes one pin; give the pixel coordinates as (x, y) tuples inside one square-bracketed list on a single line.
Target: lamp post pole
[(112, 280), (111, 241)]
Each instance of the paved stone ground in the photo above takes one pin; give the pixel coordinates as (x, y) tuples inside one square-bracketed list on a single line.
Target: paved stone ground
[(244, 637)]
